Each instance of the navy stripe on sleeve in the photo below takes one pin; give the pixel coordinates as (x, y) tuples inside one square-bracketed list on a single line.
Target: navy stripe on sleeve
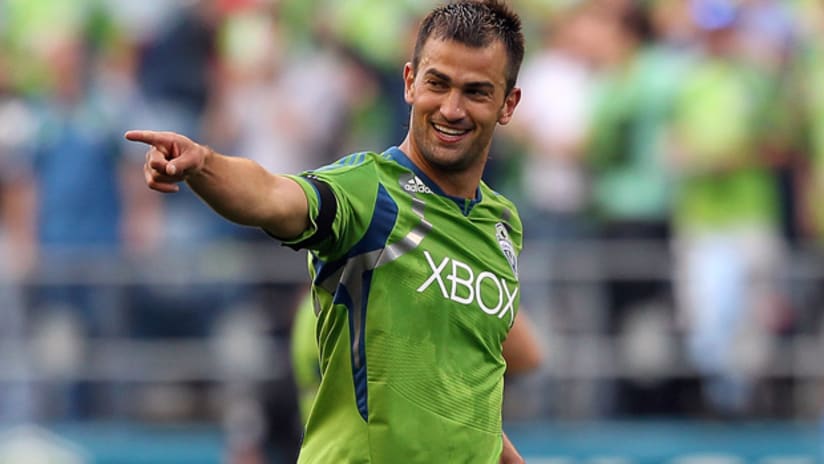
[(327, 210)]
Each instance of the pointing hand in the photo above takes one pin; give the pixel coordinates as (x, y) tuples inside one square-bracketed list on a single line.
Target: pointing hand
[(171, 158)]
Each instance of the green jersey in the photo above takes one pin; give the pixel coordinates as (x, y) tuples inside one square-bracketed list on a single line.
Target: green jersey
[(416, 292)]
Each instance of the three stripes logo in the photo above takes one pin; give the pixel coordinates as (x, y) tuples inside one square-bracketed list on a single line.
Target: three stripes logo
[(412, 184)]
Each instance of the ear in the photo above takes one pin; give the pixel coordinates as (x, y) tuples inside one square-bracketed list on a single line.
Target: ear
[(408, 83), (510, 102)]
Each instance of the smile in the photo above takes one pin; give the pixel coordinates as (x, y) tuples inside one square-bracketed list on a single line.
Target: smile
[(449, 132)]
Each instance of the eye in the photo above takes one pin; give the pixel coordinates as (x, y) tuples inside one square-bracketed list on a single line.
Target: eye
[(435, 84), (478, 93)]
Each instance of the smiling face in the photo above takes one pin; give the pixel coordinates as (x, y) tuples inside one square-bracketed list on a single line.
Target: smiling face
[(458, 97)]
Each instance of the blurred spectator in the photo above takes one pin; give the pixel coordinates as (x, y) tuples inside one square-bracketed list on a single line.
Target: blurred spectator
[(631, 186), (641, 58), (175, 66), (16, 126), (550, 130), (78, 183), (553, 123), (176, 76), (379, 35), (277, 105), (769, 35), (728, 244), (264, 110), (304, 352), (805, 103), (808, 101), (30, 28), (176, 69)]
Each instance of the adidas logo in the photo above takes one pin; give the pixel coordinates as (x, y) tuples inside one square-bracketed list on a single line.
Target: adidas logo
[(415, 185)]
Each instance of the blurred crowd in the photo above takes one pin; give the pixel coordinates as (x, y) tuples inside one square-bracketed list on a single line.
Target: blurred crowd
[(690, 127)]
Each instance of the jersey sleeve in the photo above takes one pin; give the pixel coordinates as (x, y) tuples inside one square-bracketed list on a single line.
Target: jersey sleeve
[(340, 215)]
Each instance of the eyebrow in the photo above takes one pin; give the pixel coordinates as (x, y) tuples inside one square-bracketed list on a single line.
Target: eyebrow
[(486, 85)]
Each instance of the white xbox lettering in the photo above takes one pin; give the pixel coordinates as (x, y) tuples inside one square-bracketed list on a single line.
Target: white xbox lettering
[(436, 274), (458, 283), (466, 286), (501, 289)]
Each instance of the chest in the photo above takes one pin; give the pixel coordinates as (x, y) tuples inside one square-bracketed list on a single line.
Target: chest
[(453, 268)]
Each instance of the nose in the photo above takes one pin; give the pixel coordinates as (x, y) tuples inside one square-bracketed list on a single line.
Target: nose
[(452, 106)]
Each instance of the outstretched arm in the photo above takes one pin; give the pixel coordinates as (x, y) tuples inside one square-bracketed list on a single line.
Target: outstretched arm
[(238, 189)]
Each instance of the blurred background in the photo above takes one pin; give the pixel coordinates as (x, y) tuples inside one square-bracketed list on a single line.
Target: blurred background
[(667, 160)]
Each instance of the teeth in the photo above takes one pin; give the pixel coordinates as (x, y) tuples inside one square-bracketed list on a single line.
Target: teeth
[(448, 131)]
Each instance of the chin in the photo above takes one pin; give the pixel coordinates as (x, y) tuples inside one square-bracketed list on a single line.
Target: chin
[(450, 164)]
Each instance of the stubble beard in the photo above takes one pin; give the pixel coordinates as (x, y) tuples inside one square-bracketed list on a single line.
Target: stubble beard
[(454, 162)]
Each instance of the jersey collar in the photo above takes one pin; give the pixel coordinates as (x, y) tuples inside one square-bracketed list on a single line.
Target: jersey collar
[(466, 205)]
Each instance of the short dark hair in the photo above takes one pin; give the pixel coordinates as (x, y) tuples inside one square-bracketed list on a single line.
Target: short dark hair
[(477, 24)]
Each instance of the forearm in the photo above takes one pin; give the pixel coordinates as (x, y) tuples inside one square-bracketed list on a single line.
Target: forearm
[(244, 192), (238, 189)]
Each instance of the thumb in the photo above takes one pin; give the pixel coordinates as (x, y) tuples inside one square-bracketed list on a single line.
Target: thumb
[(188, 161), (171, 169)]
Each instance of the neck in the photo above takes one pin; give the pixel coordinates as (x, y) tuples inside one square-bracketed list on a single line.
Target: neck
[(460, 183)]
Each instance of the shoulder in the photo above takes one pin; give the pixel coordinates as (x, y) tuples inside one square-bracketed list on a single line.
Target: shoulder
[(498, 200), (355, 162), (358, 174), (355, 179), (504, 209)]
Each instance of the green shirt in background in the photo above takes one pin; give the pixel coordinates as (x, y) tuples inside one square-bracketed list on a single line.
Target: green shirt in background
[(304, 350), (808, 102), (724, 181), (628, 147)]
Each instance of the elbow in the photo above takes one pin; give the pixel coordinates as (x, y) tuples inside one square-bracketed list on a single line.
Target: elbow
[(526, 362), (534, 360)]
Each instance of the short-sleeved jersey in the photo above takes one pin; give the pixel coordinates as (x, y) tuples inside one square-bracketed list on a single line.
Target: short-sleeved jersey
[(415, 292)]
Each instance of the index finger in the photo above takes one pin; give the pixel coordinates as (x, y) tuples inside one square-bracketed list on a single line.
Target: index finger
[(153, 138)]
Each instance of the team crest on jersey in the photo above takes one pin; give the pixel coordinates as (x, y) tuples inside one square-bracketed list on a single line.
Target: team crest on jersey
[(413, 184), (507, 247)]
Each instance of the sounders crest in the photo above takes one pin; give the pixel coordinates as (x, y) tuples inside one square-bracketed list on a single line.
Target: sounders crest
[(507, 247)]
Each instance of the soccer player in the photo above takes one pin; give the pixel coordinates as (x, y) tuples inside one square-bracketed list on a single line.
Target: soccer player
[(412, 257)]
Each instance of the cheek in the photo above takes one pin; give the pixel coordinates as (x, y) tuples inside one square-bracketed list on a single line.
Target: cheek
[(424, 104), (491, 118)]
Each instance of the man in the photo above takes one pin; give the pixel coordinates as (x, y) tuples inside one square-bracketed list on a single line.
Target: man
[(413, 258)]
